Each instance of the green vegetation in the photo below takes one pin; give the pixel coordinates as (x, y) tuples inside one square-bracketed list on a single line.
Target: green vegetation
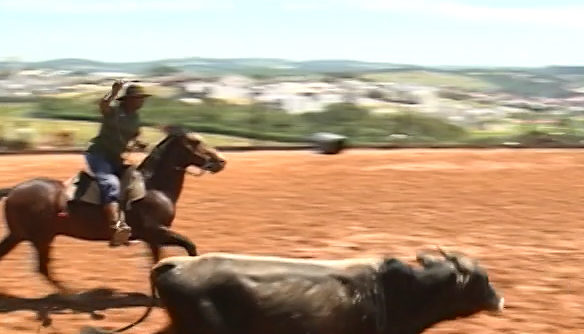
[(74, 121), (16, 109), (20, 121), (259, 122)]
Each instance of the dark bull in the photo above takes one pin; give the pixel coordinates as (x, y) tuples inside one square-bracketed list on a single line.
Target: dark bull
[(229, 293)]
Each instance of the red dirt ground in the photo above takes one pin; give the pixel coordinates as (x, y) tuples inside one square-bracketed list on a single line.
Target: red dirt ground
[(519, 212)]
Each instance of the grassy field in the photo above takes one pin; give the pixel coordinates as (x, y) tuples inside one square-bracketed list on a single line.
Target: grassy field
[(43, 132), (15, 109)]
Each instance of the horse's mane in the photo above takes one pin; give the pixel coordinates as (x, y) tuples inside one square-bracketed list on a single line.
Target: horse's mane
[(150, 163)]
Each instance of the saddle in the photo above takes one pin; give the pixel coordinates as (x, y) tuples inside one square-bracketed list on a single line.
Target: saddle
[(83, 187)]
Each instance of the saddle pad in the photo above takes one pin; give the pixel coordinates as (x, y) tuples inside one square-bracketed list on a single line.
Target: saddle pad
[(83, 187)]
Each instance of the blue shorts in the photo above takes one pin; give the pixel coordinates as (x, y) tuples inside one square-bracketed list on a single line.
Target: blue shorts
[(105, 175)]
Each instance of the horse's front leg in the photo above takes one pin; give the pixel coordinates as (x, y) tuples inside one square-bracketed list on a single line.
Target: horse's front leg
[(155, 250)]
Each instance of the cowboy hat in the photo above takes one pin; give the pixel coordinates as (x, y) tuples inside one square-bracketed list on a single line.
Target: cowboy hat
[(134, 91)]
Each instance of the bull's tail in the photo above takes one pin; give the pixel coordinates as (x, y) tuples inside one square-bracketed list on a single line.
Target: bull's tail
[(4, 192), (94, 330)]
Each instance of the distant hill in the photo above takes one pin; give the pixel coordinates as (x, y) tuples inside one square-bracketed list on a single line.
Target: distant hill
[(216, 65), (551, 81)]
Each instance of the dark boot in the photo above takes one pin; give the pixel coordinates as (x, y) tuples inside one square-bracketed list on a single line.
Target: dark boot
[(121, 231)]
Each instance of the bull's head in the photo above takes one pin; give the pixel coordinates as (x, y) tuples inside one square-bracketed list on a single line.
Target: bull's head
[(470, 282)]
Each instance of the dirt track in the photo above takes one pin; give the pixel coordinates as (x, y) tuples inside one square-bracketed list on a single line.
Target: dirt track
[(519, 212)]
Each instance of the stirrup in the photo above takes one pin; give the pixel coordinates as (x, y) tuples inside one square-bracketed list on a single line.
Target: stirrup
[(120, 237), (121, 234), (121, 225)]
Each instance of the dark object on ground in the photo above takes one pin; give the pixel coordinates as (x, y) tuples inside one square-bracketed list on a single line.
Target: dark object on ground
[(329, 143)]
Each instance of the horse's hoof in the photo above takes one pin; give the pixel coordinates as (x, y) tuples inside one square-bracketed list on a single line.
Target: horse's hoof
[(46, 322), (96, 316)]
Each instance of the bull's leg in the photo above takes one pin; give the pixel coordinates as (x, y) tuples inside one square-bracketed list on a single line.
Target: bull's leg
[(8, 244), (212, 317), (210, 320), (43, 250), (166, 237)]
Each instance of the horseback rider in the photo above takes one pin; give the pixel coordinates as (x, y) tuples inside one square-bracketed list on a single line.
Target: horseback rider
[(120, 125)]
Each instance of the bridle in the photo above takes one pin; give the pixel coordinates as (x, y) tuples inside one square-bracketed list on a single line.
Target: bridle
[(204, 169), (187, 171)]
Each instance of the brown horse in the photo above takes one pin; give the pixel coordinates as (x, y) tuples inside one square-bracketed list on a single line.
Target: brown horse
[(34, 208)]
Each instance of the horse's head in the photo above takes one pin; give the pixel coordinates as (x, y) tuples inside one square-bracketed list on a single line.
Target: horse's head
[(202, 155), (193, 151)]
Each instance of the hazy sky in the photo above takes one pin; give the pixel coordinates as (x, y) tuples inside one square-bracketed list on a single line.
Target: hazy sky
[(427, 32)]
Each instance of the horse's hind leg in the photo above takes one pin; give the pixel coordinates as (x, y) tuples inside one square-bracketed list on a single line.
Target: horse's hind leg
[(8, 244), (166, 237), (43, 252)]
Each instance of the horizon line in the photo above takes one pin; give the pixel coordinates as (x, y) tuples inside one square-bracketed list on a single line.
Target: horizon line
[(16, 59)]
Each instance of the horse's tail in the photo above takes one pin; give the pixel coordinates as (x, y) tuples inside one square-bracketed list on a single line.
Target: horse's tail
[(4, 192), (94, 330)]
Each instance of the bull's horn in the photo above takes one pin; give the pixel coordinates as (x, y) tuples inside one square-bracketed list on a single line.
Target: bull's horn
[(462, 264), (443, 253)]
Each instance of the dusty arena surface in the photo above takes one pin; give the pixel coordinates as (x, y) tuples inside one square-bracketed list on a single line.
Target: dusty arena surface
[(520, 212)]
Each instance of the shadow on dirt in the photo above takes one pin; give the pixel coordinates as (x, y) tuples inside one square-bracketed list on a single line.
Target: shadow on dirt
[(89, 302)]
